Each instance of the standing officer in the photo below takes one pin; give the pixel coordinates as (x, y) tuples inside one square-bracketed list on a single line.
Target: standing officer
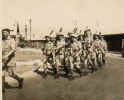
[(8, 53)]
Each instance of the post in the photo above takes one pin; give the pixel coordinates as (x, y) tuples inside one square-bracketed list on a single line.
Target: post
[(30, 22), (25, 31)]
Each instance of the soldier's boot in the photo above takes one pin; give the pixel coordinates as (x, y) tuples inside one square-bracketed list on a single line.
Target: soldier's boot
[(99, 64), (56, 74), (78, 69), (54, 70), (4, 84), (20, 83), (103, 60), (44, 73), (19, 79), (70, 74), (80, 72), (66, 70), (91, 67), (94, 65)]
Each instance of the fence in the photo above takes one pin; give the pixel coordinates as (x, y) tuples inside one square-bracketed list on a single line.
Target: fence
[(32, 43)]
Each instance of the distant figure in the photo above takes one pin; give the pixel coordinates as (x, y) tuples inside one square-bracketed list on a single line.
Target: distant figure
[(8, 53)]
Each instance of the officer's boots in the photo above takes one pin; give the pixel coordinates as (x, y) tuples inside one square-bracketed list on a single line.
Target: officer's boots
[(20, 83), (19, 79)]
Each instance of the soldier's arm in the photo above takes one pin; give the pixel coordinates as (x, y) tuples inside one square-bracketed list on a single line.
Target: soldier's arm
[(12, 51), (13, 48), (106, 46), (58, 49), (9, 54)]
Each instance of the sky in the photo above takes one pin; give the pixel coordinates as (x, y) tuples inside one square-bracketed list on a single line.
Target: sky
[(106, 15)]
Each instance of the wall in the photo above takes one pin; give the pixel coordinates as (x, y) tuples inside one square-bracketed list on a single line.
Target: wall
[(114, 42)]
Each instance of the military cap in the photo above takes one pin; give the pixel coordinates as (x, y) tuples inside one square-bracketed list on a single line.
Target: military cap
[(59, 34), (47, 37), (71, 34), (95, 36), (101, 36), (7, 29), (87, 30)]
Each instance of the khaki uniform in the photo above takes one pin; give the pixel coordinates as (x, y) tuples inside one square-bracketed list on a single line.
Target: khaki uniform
[(8, 46), (76, 53), (60, 52), (69, 58), (49, 53), (42, 63), (104, 49), (103, 46)]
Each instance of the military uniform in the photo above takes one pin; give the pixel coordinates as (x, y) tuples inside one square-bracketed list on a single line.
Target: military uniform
[(60, 53), (69, 58), (103, 48), (9, 46), (76, 46), (98, 47), (49, 55), (43, 59)]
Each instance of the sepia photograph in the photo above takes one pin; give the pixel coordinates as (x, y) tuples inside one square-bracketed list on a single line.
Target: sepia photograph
[(62, 49)]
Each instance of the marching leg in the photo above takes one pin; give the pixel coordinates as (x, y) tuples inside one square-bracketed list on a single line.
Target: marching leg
[(16, 77)]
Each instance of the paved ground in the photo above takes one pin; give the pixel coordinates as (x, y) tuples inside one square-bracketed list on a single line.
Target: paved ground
[(105, 84)]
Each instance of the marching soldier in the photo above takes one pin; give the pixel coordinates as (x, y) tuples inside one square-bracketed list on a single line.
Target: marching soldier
[(103, 47), (49, 54), (60, 52), (81, 53), (69, 57), (42, 67), (91, 57), (98, 49), (76, 53), (46, 57), (8, 53)]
